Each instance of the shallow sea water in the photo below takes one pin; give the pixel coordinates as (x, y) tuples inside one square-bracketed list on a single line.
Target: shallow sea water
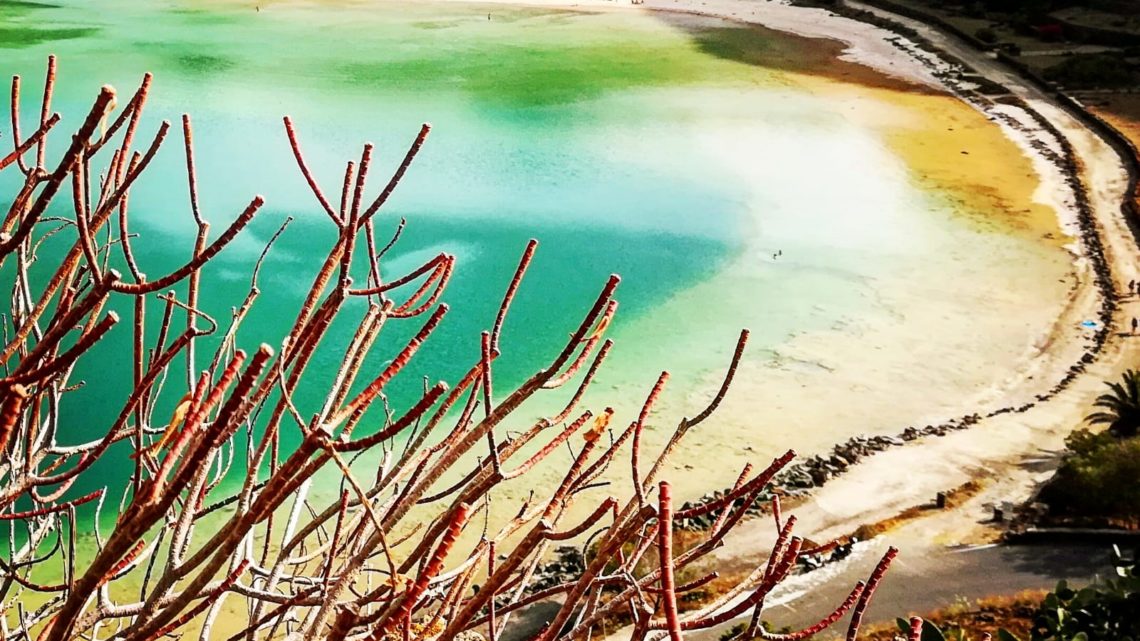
[(681, 153)]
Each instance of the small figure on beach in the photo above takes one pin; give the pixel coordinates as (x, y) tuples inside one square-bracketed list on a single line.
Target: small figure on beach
[(1131, 287), (1134, 325)]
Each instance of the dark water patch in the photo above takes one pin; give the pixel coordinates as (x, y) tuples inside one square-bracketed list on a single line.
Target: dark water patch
[(17, 29), (201, 63), (437, 24), (19, 37), (760, 46), (205, 17), (523, 75), (9, 7), (509, 15), (22, 25), (187, 58), (518, 14), (15, 10)]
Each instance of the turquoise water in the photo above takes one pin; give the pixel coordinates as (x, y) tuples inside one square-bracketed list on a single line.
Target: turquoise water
[(622, 142)]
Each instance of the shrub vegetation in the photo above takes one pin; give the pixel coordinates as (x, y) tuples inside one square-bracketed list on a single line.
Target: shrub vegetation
[(1099, 479)]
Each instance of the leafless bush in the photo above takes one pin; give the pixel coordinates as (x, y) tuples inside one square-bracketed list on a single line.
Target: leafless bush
[(358, 567)]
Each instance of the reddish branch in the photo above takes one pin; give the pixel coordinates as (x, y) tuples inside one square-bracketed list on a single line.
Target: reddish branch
[(665, 546)]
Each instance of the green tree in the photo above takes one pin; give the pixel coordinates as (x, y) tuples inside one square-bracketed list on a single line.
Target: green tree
[(1097, 480), (1121, 407)]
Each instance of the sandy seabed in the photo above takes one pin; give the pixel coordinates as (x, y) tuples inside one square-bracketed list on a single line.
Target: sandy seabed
[(825, 386), (887, 373), (973, 155), (956, 147)]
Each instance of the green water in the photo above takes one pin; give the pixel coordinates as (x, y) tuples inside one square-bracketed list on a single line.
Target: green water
[(678, 153)]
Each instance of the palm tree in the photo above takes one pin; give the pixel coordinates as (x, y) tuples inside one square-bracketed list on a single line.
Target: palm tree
[(1121, 406)]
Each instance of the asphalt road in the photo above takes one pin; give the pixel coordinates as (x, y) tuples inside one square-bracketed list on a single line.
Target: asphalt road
[(917, 584)]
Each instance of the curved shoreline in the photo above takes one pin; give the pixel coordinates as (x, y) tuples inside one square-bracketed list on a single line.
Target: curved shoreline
[(1071, 163), (1034, 373), (1108, 352), (921, 60), (891, 481), (936, 60), (818, 469), (807, 474), (902, 476), (814, 472)]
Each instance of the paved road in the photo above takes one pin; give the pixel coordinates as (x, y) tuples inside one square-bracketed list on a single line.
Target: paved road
[(915, 584), (934, 580)]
